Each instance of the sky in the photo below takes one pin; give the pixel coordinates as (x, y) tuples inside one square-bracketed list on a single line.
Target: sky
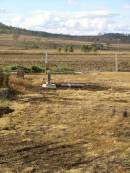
[(74, 17)]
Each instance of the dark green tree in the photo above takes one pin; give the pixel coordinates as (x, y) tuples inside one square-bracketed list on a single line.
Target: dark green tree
[(66, 49), (71, 49)]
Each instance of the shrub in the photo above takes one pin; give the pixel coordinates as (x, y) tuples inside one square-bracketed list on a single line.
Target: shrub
[(37, 69), (16, 68), (24, 69), (66, 49), (71, 49), (13, 68)]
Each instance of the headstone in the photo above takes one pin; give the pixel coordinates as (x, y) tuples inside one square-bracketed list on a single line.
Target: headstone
[(48, 84)]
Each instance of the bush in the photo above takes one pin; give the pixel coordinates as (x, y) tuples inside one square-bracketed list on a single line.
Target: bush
[(10, 68), (37, 69), (34, 69), (14, 68), (24, 69), (66, 49), (71, 49)]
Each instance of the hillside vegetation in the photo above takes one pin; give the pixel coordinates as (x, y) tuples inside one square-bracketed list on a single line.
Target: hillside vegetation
[(109, 38)]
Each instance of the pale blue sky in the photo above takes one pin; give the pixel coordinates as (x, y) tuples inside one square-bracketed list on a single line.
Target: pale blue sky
[(30, 5), (80, 17)]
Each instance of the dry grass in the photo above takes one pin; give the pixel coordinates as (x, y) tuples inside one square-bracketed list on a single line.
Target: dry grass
[(20, 85), (68, 131)]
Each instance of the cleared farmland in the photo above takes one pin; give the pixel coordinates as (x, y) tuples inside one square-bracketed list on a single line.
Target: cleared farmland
[(66, 130), (19, 51), (104, 61)]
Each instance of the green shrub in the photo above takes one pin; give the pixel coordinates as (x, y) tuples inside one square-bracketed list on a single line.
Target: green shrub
[(66, 49), (24, 69), (10, 68), (17, 67), (37, 69), (14, 67), (71, 49)]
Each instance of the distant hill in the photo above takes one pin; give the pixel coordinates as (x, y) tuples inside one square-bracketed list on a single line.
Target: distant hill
[(104, 38), (5, 29)]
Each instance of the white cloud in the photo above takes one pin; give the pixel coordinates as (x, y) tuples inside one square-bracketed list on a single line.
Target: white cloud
[(2, 11), (127, 6), (74, 23), (16, 20)]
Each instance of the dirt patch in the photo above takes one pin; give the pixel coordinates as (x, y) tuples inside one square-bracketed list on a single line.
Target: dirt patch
[(83, 86), (5, 110)]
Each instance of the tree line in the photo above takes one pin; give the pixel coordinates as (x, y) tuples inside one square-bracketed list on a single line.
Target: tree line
[(84, 48)]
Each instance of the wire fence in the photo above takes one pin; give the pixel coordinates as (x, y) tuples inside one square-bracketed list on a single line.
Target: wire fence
[(77, 62)]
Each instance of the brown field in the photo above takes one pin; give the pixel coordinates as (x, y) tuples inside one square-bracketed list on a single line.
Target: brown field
[(103, 61), (15, 52), (67, 131), (8, 42)]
